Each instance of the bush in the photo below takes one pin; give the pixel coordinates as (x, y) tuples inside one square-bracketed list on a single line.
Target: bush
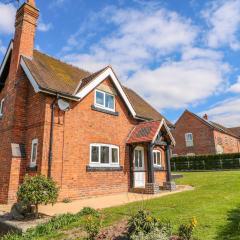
[(144, 223), (155, 234), (185, 231), (206, 162), (92, 222), (37, 190)]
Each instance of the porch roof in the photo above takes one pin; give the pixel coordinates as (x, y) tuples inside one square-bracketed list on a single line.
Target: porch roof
[(148, 131), (144, 132)]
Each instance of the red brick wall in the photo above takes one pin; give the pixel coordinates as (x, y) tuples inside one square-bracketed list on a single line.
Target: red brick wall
[(203, 138), (228, 143), (74, 131), (160, 176)]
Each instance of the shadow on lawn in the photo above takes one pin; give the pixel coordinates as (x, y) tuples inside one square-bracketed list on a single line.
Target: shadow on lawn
[(231, 231)]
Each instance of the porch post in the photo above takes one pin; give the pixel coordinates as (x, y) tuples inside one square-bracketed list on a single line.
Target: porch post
[(131, 149), (169, 185), (169, 176), (150, 164)]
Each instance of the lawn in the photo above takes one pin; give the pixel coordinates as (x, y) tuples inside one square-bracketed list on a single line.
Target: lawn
[(215, 203)]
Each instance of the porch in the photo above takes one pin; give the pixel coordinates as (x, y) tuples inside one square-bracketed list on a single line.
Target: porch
[(149, 155)]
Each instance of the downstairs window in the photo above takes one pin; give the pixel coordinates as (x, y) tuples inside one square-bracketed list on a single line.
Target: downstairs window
[(104, 155)]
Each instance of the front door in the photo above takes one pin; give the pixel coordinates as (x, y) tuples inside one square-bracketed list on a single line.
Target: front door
[(139, 170)]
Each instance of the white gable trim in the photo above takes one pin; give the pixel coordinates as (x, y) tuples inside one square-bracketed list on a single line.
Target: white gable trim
[(29, 75), (10, 47), (163, 123), (107, 73)]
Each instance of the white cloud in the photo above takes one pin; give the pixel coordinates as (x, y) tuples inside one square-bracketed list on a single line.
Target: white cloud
[(223, 18), (2, 48), (178, 84), (236, 86), (7, 17), (44, 27), (139, 37), (226, 112)]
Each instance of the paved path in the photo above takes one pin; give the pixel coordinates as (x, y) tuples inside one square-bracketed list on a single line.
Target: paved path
[(100, 201)]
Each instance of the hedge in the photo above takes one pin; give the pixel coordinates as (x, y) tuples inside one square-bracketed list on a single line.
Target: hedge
[(206, 162)]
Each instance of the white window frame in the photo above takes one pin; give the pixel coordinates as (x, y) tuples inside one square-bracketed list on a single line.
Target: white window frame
[(104, 97), (1, 107), (189, 143), (99, 164), (156, 164), (33, 163)]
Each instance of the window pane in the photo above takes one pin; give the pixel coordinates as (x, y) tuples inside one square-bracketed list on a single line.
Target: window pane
[(1, 106), (158, 158), (136, 158), (140, 159), (99, 98), (95, 153), (114, 155), (104, 154), (109, 101), (154, 158), (34, 153)]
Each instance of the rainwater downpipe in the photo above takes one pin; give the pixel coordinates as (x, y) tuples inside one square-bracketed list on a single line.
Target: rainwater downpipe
[(50, 156)]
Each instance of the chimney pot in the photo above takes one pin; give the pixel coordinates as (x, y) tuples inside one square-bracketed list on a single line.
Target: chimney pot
[(31, 2), (205, 116)]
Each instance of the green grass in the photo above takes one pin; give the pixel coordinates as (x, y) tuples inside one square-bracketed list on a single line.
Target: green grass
[(215, 203)]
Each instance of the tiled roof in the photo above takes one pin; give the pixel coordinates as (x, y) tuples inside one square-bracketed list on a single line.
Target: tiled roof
[(143, 108), (144, 132), (235, 130), (55, 75)]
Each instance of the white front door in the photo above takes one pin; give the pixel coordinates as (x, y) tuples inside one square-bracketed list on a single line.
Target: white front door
[(139, 174)]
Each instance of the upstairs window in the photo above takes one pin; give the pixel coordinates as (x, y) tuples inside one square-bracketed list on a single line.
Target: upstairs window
[(157, 158), (33, 162), (104, 100), (104, 154), (1, 107), (189, 139)]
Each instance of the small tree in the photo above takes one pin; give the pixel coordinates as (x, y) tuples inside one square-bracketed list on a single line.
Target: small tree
[(37, 190)]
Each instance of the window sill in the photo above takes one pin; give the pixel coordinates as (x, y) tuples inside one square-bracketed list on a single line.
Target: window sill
[(103, 168), (98, 109), (32, 168), (158, 169)]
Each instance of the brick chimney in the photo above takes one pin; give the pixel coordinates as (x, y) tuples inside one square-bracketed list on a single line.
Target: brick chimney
[(205, 116), (23, 41)]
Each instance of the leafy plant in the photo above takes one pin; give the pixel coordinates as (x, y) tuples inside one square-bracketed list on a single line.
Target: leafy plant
[(185, 231), (92, 225), (37, 190), (155, 234)]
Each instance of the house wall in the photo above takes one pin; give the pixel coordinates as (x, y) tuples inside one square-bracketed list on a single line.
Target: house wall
[(74, 131), (203, 136), (160, 176), (228, 143)]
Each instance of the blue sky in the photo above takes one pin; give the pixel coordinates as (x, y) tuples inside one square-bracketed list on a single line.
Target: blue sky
[(176, 54)]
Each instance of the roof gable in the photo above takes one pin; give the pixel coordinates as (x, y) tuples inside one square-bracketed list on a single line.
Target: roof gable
[(210, 124)]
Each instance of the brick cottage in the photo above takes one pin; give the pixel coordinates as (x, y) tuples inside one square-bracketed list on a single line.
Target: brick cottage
[(86, 131), (196, 135)]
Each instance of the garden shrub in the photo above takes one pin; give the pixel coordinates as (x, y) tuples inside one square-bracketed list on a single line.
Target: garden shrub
[(37, 190), (185, 231), (144, 223), (155, 234)]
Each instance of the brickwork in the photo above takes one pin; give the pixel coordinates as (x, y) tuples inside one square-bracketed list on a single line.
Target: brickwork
[(205, 139), (27, 116)]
